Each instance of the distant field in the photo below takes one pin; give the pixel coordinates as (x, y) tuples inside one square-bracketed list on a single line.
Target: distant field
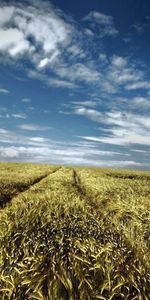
[(74, 233)]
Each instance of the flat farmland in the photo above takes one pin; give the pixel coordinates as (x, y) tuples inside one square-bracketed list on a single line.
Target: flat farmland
[(74, 233)]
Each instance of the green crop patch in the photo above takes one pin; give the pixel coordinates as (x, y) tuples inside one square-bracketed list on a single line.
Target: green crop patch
[(78, 234)]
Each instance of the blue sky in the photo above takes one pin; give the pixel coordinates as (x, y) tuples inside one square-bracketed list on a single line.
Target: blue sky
[(75, 82)]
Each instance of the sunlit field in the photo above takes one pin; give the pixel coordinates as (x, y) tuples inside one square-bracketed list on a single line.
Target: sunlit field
[(74, 233)]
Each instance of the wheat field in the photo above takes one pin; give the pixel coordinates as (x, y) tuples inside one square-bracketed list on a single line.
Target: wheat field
[(74, 233)]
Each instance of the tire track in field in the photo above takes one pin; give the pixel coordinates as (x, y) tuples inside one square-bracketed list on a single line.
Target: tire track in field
[(111, 234), (4, 200), (83, 193)]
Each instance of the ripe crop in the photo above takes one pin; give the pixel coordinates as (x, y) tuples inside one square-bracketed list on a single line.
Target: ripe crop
[(74, 233)]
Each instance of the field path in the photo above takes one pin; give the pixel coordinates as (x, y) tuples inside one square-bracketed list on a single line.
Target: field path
[(83, 193)]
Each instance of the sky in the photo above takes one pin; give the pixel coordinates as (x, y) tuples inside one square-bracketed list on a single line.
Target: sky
[(75, 82)]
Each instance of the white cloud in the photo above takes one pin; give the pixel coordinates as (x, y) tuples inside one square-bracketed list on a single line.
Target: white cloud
[(138, 85), (138, 101), (140, 151), (38, 139), (52, 81), (6, 14), (47, 61), (43, 62), (9, 153), (4, 91), (61, 83), (42, 35), (19, 116), (91, 114), (122, 72), (79, 72), (48, 30), (130, 138), (33, 127), (43, 150), (105, 22), (99, 18), (22, 47), (69, 76), (9, 137), (52, 42), (54, 45), (85, 103), (119, 61), (122, 128), (103, 57), (12, 41), (62, 156), (109, 31), (91, 138), (26, 100), (7, 113), (89, 32), (75, 50), (108, 86), (122, 140)]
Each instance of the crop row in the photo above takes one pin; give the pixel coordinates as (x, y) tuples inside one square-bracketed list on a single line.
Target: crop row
[(60, 240), (124, 202), (15, 178)]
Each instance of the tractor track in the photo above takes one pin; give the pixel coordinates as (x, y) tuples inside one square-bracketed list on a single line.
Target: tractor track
[(115, 235), (83, 193), (6, 199)]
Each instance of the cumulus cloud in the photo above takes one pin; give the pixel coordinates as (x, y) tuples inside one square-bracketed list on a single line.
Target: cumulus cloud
[(52, 42), (12, 41), (27, 30), (118, 61), (61, 55), (50, 39)]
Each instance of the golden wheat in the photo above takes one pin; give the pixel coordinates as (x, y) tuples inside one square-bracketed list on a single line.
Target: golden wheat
[(77, 234)]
